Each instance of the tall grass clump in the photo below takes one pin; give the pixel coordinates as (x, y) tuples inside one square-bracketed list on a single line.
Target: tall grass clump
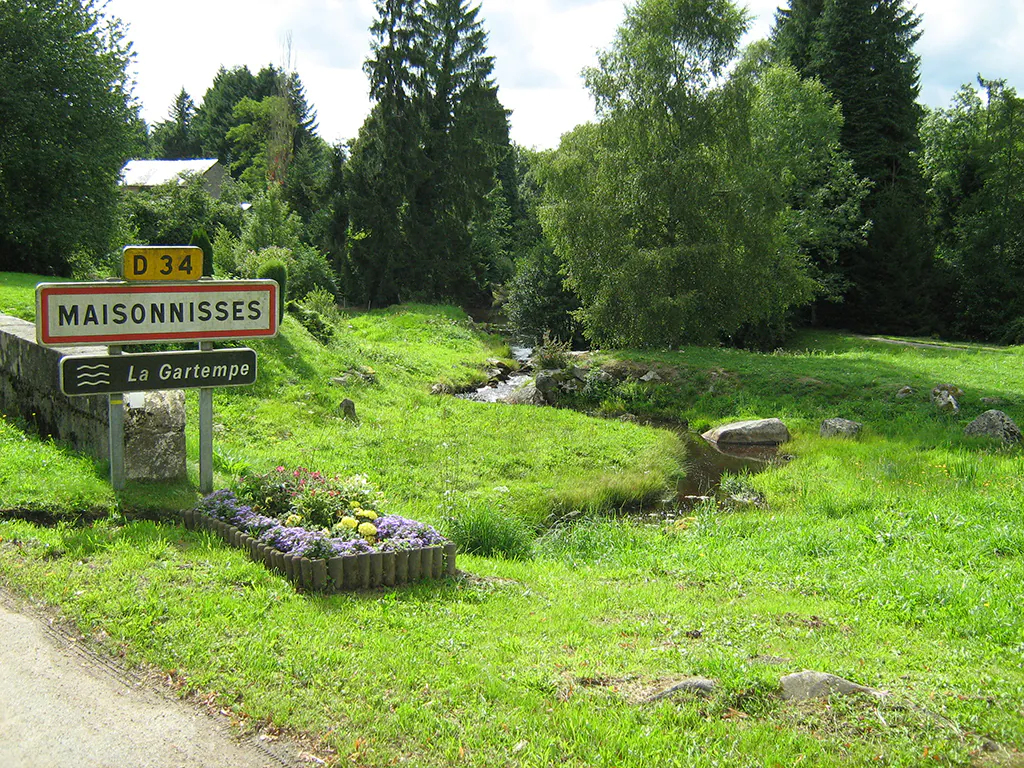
[(490, 531)]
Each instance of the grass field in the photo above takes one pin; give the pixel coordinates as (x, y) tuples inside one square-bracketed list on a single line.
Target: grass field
[(895, 560)]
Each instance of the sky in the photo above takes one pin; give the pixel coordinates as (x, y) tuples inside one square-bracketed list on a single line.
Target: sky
[(540, 48)]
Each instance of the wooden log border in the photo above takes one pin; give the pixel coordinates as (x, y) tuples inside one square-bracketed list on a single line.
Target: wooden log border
[(347, 572)]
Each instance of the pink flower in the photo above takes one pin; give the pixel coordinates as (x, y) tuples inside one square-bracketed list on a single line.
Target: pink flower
[(280, 469)]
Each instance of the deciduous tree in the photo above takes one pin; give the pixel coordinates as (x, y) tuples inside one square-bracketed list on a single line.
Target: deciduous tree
[(668, 227), (69, 125)]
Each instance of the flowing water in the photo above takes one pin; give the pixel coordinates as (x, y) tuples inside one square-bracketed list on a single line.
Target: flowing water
[(493, 393)]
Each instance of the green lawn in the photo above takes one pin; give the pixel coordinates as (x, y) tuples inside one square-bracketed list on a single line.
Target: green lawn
[(896, 560)]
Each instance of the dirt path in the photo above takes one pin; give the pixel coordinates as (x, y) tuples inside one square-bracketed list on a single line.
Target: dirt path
[(926, 345), (63, 705)]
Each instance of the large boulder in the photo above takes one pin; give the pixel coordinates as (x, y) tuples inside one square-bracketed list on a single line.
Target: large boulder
[(994, 424), (756, 432), (840, 428)]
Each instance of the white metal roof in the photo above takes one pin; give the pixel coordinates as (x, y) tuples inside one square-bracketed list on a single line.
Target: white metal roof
[(150, 173)]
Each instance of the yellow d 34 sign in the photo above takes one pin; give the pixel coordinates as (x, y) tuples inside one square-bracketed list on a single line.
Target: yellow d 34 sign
[(147, 263)]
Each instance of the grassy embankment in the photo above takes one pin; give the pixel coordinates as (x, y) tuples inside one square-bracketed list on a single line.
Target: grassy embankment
[(896, 560)]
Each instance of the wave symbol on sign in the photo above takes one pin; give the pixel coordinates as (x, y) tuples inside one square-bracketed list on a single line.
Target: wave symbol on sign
[(100, 374)]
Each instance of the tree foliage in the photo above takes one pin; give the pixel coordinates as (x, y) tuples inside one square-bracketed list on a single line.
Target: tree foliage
[(795, 132), (669, 227), (973, 160), (176, 138), (423, 222), (862, 51), (69, 125)]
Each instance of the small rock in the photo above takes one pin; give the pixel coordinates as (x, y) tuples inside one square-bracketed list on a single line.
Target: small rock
[(547, 383), (994, 424), (601, 376), (904, 393), (992, 400), (441, 389), (802, 686), (951, 389), (840, 428), (629, 418), (650, 376), (578, 372), (945, 402), (755, 432), (348, 410), (494, 362), (702, 685)]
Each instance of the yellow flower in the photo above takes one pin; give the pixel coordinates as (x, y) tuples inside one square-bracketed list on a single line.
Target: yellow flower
[(367, 529), (356, 505), (293, 520), (349, 522), (369, 514)]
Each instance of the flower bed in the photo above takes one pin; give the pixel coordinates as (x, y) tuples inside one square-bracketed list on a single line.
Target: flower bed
[(324, 534)]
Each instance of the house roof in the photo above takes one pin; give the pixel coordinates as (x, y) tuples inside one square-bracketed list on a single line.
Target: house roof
[(150, 173)]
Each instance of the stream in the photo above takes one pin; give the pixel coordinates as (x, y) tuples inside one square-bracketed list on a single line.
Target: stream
[(492, 393), (705, 463)]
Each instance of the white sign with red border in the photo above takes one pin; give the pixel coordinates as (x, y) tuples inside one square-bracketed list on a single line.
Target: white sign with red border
[(137, 313)]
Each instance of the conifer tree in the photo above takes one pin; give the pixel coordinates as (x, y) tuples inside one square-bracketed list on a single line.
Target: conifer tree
[(862, 50), (423, 168)]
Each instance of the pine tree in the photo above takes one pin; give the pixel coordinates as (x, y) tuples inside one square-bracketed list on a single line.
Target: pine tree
[(379, 174), (176, 137), (465, 138), (794, 31), (862, 50), (423, 167)]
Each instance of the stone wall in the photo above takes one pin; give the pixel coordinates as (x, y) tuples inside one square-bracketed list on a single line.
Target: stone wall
[(30, 388)]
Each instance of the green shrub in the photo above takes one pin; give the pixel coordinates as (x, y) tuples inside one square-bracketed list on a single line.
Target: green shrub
[(537, 301), (308, 269), (202, 240), (317, 325), (490, 531), (275, 269), (322, 302), (552, 353)]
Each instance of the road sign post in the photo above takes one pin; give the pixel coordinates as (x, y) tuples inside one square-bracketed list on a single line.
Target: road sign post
[(121, 312), (205, 433)]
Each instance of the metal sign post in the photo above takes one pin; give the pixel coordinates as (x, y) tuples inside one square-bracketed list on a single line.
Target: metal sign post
[(116, 433), (205, 433)]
